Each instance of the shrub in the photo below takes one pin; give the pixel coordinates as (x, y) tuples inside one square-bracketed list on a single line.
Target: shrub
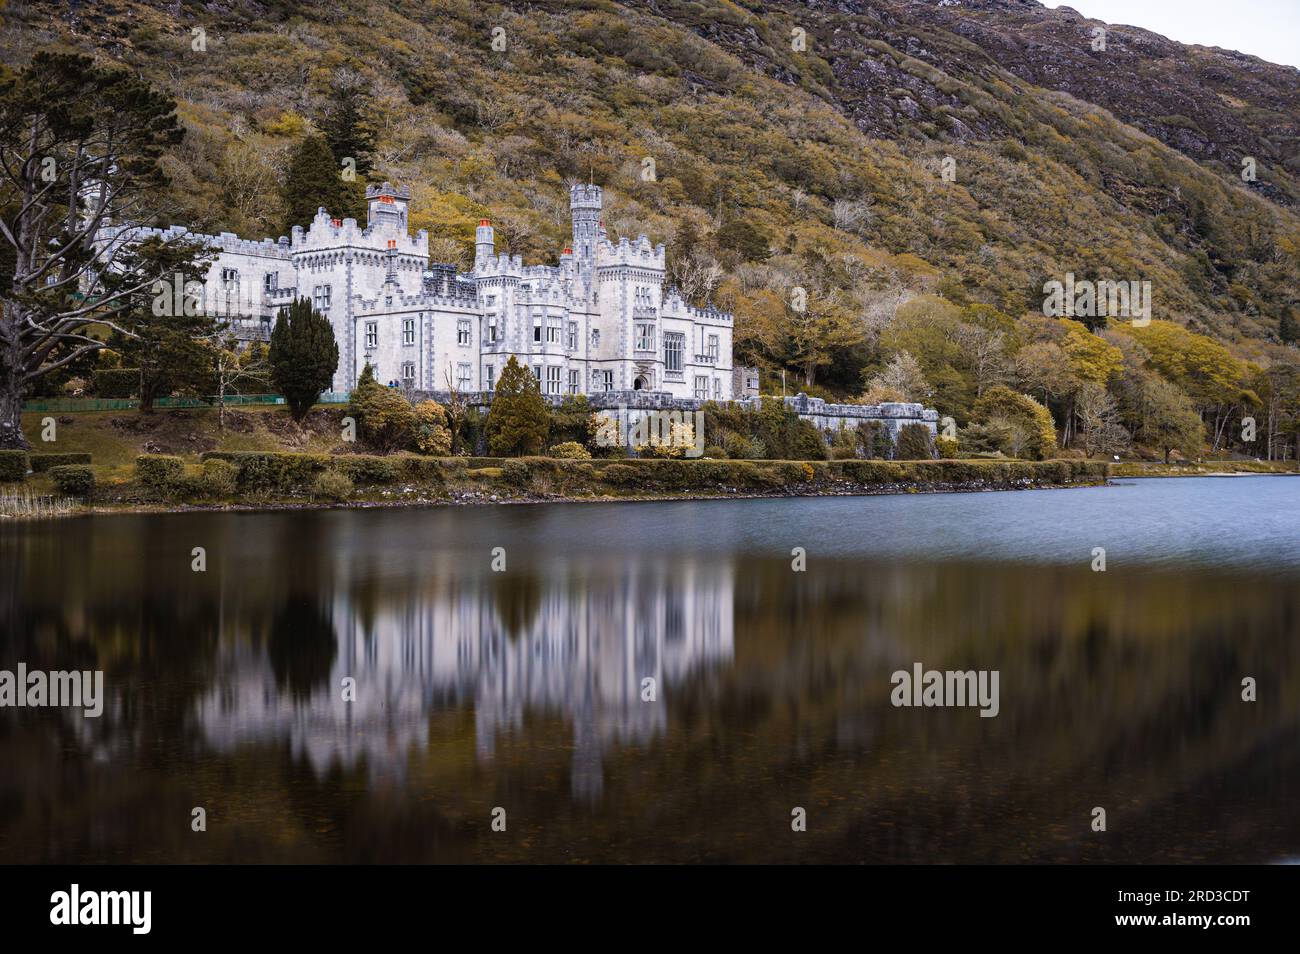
[(160, 473), (716, 452), (740, 447), (385, 420), (432, 435), (280, 472), (13, 465), (947, 447), (367, 469), (620, 475), (43, 462), (75, 480), (913, 443), (332, 485), (219, 478), (569, 450)]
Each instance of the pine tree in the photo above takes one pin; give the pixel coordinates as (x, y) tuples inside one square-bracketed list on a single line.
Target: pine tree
[(1289, 329), (518, 421), (304, 356), (345, 127), (314, 181)]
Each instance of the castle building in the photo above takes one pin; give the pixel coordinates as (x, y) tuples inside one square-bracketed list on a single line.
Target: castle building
[(600, 321)]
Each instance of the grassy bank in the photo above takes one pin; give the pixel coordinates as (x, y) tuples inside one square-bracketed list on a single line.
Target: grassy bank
[(1137, 468)]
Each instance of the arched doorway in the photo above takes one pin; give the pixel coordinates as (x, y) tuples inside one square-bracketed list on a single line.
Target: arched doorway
[(639, 384)]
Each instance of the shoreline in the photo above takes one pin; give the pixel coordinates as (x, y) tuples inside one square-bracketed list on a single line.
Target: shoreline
[(481, 499)]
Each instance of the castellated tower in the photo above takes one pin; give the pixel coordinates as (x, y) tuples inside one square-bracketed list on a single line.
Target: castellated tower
[(386, 207), (584, 206)]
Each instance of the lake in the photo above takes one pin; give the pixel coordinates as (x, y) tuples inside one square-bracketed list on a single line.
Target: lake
[(658, 682)]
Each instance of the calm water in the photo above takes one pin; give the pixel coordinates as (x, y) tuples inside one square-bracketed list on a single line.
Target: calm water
[(523, 689)]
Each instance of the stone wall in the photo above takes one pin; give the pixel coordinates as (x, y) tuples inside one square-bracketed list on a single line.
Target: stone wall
[(825, 416)]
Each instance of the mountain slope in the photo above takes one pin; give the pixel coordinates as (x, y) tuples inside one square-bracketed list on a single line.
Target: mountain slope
[(831, 155)]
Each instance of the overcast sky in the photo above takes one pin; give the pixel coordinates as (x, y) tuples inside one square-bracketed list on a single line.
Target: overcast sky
[(1269, 29)]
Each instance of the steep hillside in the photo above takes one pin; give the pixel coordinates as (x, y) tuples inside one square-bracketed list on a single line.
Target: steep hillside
[(775, 166)]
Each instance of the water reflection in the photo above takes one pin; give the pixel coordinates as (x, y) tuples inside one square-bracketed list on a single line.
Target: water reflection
[(522, 689), (577, 642)]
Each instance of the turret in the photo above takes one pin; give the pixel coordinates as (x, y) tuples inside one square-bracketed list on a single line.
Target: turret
[(584, 206), (485, 244)]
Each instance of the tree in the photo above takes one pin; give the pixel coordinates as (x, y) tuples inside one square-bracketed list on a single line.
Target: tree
[(163, 333), (80, 146), (1000, 403), (518, 422), (1170, 422), (345, 127), (304, 356), (1099, 429), (913, 443), (901, 376), (433, 435), (313, 182), (230, 367)]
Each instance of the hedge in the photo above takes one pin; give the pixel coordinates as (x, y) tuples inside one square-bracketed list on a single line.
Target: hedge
[(43, 462), (115, 382), (76, 480), (13, 465), (161, 473), (287, 472)]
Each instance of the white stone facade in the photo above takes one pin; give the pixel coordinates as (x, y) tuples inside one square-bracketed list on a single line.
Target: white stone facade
[(600, 321)]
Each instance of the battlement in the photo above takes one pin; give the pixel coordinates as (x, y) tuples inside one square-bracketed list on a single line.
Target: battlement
[(225, 241), (587, 197), (329, 233), (638, 254)]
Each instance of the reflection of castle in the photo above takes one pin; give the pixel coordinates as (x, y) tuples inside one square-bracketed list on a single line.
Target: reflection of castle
[(577, 647)]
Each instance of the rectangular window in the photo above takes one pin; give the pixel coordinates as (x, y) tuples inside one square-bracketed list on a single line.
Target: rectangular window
[(408, 374), (491, 377), (408, 331), (713, 347), (595, 339), (645, 336), (463, 377), (321, 298), (230, 279), (674, 348), (272, 281), (537, 328), (552, 380), (603, 380), (702, 387), (573, 336), (492, 329), (553, 326), (537, 373), (575, 380), (372, 334), (717, 389), (463, 332)]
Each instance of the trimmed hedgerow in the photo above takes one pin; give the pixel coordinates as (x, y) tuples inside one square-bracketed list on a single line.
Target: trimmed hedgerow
[(160, 473), (13, 465), (43, 462), (75, 480)]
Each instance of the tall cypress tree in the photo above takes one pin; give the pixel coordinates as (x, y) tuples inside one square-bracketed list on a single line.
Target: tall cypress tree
[(518, 420), (314, 181), (304, 356)]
